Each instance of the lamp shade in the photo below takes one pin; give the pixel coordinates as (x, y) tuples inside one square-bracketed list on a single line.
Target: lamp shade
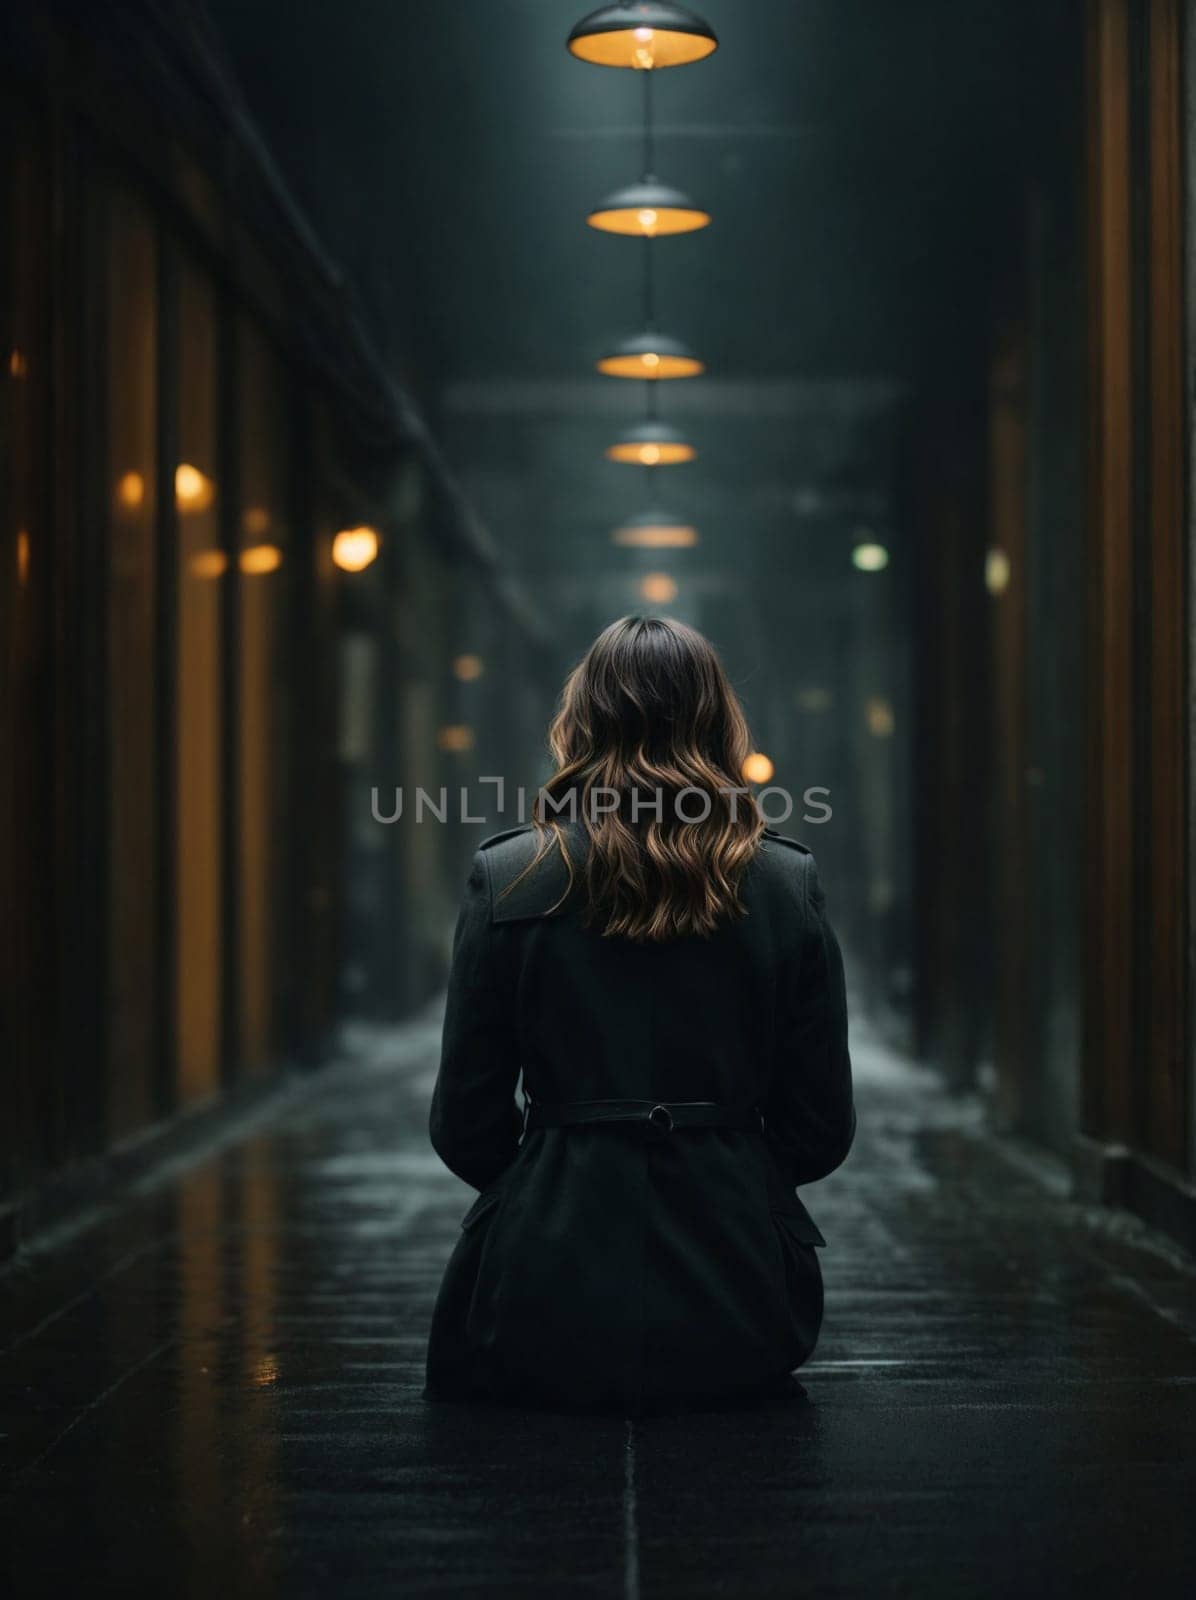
[(650, 356), (647, 209), (651, 444), (655, 530), (642, 36)]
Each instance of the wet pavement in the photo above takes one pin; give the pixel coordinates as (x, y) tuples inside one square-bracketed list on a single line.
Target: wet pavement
[(215, 1389)]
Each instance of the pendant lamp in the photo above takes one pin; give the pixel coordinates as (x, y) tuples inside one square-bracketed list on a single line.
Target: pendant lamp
[(651, 356), (649, 210), (655, 530), (651, 444), (642, 36)]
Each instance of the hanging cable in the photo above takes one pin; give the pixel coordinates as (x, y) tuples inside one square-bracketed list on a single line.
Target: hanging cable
[(649, 285)]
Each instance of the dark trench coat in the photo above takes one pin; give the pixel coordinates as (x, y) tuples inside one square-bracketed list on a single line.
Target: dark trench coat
[(610, 1267)]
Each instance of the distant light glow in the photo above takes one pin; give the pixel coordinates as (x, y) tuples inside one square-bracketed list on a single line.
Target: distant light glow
[(254, 521), (658, 589), (130, 490), (22, 556), (870, 557), (18, 365), (757, 768), (815, 700), (354, 548), (257, 559), (648, 454), (467, 668), (455, 737), (656, 535), (207, 564), (880, 717), (997, 571), (193, 489)]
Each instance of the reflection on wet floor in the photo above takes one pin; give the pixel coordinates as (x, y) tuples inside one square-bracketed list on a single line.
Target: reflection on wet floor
[(217, 1389)]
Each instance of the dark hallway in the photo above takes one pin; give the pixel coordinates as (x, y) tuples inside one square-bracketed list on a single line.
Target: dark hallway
[(359, 365), (219, 1386)]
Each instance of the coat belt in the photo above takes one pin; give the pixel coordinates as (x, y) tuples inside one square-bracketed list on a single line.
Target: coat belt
[(657, 1116)]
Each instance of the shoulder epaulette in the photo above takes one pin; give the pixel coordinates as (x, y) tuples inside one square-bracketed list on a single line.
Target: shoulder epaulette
[(520, 886), (780, 838), (507, 833)]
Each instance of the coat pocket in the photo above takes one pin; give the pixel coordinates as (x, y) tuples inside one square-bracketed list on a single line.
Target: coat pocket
[(799, 1225)]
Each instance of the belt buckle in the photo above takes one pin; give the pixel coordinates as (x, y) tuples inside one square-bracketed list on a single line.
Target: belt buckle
[(660, 1121)]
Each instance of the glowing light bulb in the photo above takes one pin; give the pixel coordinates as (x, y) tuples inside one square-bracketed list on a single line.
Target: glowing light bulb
[(130, 490), (870, 557), (647, 218), (354, 548), (650, 454), (644, 35), (757, 768), (193, 489), (997, 571), (651, 359)]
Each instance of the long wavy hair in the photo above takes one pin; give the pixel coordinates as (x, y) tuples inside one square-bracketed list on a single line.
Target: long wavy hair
[(648, 716)]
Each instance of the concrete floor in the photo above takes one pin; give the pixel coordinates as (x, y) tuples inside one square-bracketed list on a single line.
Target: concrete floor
[(215, 1390)]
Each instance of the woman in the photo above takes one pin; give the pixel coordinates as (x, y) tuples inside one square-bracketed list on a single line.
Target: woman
[(667, 985)]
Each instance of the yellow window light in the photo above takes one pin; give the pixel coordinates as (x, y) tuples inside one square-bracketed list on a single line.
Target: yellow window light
[(130, 490), (354, 548), (207, 563), (193, 489), (258, 559)]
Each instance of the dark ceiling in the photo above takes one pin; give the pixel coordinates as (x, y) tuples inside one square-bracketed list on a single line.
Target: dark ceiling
[(847, 149), (863, 161)]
